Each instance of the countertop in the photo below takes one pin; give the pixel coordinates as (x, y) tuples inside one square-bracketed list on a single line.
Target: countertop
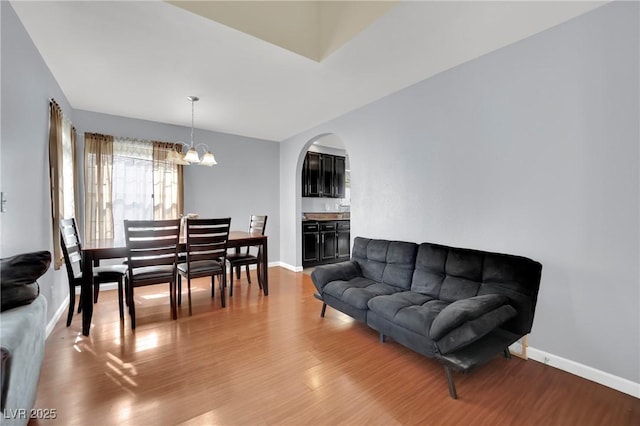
[(326, 216)]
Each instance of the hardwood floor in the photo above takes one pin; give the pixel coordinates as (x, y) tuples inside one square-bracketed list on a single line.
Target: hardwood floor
[(272, 360)]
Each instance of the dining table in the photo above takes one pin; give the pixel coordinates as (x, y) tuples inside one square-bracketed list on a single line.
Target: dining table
[(93, 251)]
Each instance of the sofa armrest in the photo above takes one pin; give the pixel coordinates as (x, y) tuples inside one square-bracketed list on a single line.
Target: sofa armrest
[(22, 339), (343, 271), (467, 320), (18, 275)]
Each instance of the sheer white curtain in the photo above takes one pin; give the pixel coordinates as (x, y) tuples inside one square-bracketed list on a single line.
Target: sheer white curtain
[(167, 184), (132, 182)]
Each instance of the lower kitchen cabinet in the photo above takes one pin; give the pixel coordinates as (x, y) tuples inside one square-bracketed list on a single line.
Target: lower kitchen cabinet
[(310, 243), (325, 242), (343, 236)]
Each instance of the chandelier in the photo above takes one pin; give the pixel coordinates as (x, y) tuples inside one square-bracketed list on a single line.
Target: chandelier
[(191, 156)]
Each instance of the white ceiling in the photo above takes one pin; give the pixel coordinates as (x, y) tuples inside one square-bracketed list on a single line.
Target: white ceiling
[(142, 59)]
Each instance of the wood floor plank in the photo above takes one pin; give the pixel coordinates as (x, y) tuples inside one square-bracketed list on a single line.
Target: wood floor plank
[(274, 361)]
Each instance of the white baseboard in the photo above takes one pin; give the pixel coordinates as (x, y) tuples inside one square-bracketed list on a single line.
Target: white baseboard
[(586, 372), (287, 266), (278, 263), (56, 317)]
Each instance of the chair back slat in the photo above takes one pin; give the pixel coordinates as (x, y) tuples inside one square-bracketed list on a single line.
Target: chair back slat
[(155, 261), (206, 230), (152, 252), (152, 224), (257, 224), (71, 249), (196, 257), (75, 257), (207, 239), (151, 242), (152, 234)]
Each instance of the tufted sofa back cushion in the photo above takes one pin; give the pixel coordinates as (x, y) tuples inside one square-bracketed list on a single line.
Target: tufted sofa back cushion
[(452, 274), (388, 262)]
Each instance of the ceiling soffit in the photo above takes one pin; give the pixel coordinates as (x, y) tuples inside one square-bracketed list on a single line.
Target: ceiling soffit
[(313, 29)]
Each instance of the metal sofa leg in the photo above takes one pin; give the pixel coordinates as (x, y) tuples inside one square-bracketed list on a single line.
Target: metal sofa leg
[(452, 386), (381, 338), (324, 309), (507, 353)]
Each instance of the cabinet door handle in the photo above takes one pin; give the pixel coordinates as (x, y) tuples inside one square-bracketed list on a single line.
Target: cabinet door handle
[(317, 239), (322, 238)]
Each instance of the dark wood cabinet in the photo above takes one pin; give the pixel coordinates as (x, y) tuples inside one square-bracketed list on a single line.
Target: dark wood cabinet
[(326, 176), (310, 243), (343, 237), (325, 242), (328, 245), (339, 170), (323, 175), (311, 175)]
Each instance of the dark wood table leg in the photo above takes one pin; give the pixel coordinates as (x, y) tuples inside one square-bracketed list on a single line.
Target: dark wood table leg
[(265, 268), (237, 267), (87, 291)]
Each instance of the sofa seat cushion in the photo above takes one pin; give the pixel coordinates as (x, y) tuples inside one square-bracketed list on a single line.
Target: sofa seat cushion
[(408, 309), (357, 291), (465, 321)]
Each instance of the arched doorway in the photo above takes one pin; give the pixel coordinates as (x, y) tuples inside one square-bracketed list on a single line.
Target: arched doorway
[(324, 200)]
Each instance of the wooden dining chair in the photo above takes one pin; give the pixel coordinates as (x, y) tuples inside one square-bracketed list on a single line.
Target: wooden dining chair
[(206, 250), (72, 252), (152, 251), (257, 225)]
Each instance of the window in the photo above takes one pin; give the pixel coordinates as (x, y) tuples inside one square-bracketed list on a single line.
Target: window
[(128, 179)]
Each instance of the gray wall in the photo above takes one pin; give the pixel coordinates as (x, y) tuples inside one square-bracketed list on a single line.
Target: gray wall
[(245, 180), (26, 86), (532, 150)]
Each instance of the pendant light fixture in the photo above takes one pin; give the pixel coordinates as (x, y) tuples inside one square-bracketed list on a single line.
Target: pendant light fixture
[(192, 156)]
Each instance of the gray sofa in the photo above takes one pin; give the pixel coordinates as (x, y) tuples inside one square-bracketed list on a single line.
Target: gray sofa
[(460, 306), (22, 334)]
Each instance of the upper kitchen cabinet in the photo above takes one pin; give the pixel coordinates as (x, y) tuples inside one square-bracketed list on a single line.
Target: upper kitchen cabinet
[(311, 175), (339, 170), (323, 175), (327, 176)]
